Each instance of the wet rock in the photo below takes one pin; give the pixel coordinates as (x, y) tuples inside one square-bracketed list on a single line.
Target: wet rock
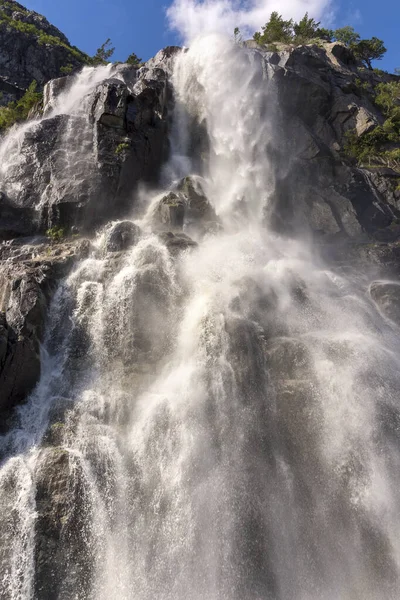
[(63, 557), (177, 242), (28, 277), (52, 90), (121, 236), (387, 297), (288, 358), (198, 207), (170, 212), (119, 139)]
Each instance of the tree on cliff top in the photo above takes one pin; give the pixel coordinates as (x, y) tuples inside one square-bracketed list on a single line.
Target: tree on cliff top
[(307, 29), (369, 50), (346, 35), (134, 60), (276, 30), (103, 54)]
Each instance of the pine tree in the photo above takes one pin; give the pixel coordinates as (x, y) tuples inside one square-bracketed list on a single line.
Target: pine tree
[(134, 60), (103, 54)]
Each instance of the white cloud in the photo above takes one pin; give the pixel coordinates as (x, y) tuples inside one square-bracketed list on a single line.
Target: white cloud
[(193, 17)]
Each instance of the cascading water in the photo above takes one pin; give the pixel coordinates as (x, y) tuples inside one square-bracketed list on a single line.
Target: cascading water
[(217, 425), (72, 158)]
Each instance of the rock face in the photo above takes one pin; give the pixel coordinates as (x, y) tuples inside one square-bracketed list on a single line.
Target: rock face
[(320, 99), (187, 206), (28, 275), (30, 49), (117, 137)]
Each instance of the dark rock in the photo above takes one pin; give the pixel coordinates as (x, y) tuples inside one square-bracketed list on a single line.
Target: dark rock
[(319, 189), (28, 277), (170, 212), (387, 297), (121, 236), (177, 242), (117, 141), (198, 207)]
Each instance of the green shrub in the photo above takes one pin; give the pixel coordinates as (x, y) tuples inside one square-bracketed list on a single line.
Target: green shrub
[(134, 60), (122, 147), (275, 30), (18, 111), (371, 148), (56, 234), (67, 69), (103, 54), (42, 37)]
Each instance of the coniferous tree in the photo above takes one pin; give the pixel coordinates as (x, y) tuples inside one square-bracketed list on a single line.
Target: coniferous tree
[(306, 29), (369, 50), (103, 53), (346, 35), (134, 60), (276, 30)]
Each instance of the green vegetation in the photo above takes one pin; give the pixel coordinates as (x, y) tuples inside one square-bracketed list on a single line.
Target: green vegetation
[(103, 54), (134, 60), (346, 35), (56, 234), (307, 30), (377, 147), (67, 70), (369, 50), (42, 37), (122, 147), (276, 30), (18, 111)]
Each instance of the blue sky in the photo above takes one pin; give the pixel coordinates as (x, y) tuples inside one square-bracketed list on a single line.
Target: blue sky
[(141, 26)]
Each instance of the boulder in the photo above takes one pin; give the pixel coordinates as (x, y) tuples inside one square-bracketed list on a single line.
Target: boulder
[(198, 207), (177, 242), (170, 212), (121, 236)]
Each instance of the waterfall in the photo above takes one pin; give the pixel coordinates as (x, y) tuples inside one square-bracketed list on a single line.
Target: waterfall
[(220, 424)]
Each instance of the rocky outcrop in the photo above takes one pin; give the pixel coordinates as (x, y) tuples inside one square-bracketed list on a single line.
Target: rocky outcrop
[(117, 139), (29, 271), (186, 207), (31, 49), (321, 97)]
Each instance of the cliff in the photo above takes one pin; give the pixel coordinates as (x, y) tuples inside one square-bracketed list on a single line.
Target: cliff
[(31, 49)]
